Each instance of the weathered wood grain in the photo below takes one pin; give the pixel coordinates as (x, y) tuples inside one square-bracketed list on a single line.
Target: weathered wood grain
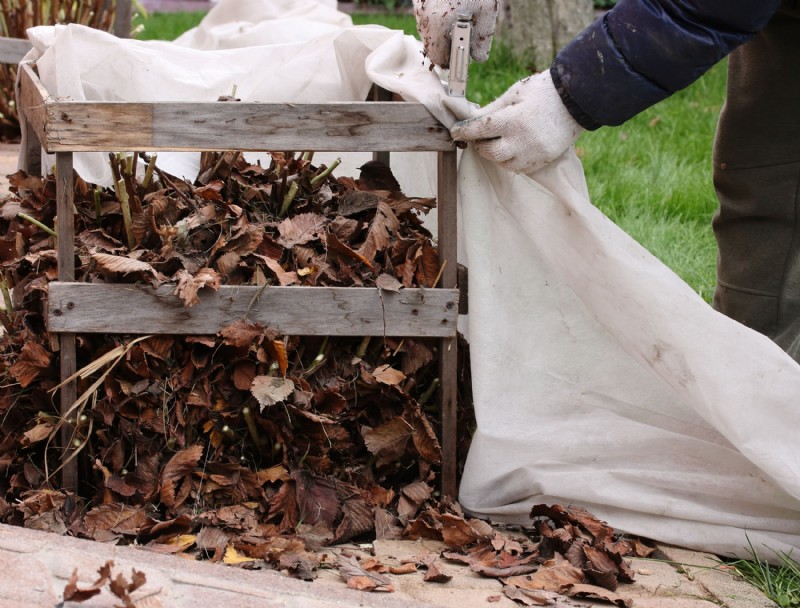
[(75, 126), (123, 14), (205, 126), (12, 50), (32, 102), (65, 194), (328, 311), (447, 188)]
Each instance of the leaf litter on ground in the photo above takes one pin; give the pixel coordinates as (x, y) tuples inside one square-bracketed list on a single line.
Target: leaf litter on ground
[(247, 447)]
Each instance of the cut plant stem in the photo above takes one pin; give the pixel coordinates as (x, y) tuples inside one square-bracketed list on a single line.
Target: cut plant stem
[(318, 179), (98, 210), (426, 396), (439, 276), (362, 348), (38, 224), (252, 427), (288, 198), (122, 195), (148, 174), (114, 162), (308, 155), (6, 296)]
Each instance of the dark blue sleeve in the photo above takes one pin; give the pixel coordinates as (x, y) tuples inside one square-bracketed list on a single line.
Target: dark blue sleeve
[(642, 51)]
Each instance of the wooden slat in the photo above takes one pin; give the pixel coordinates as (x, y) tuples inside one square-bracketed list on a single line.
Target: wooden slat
[(32, 152), (329, 311), (448, 352), (12, 50), (380, 94), (32, 101), (65, 229), (339, 127)]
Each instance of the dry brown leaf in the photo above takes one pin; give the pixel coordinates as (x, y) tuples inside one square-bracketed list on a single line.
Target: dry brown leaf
[(387, 441), (243, 373), (189, 285), (37, 433), (534, 597), (284, 277), (424, 437), (388, 283), (317, 499), (334, 245), (273, 474), (386, 374), (407, 568), (179, 466), (554, 578), (120, 264), (213, 540), (277, 350), (357, 519), (434, 573), (457, 532), (233, 557), (301, 229), (427, 265), (118, 518), (228, 262), (31, 362), (241, 333), (601, 568), (383, 224), (72, 593), (269, 390), (358, 578), (594, 592)]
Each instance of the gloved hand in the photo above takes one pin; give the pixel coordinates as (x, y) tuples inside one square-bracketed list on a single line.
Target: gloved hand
[(435, 20), (525, 128)]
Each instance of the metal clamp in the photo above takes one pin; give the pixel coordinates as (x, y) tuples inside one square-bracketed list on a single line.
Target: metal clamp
[(460, 37)]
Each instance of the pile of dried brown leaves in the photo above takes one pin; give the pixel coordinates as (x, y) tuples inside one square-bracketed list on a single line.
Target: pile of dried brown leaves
[(246, 447)]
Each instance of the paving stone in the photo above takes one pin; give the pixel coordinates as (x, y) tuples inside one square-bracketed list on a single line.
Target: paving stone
[(726, 589), (659, 579), (673, 602), (35, 566)]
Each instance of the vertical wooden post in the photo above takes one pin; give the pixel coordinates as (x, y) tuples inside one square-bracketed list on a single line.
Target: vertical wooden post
[(448, 355), (381, 94), (123, 15), (32, 152), (65, 228)]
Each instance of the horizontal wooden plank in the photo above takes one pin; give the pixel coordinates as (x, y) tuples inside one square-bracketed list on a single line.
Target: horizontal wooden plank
[(330, 311), (338, 127), (12, 50)]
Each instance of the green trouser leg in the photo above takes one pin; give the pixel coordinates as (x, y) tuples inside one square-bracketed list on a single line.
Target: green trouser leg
[(757, 177)]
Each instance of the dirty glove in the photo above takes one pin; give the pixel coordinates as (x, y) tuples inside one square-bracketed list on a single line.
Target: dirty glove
[(435, 20), (525, 128)]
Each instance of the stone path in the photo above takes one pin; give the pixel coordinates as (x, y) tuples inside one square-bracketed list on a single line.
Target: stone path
[(36, 566)]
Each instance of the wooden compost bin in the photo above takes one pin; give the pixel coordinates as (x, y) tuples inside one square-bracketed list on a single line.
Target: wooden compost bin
[(64, 127)]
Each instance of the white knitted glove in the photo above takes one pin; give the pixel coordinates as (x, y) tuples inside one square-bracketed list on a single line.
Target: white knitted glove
[(435, 20), (525, 128)]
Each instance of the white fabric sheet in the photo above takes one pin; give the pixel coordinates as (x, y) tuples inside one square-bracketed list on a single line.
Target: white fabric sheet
[(600, 378)]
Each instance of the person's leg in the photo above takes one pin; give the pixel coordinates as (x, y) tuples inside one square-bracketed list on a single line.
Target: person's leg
[(757, 177)]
